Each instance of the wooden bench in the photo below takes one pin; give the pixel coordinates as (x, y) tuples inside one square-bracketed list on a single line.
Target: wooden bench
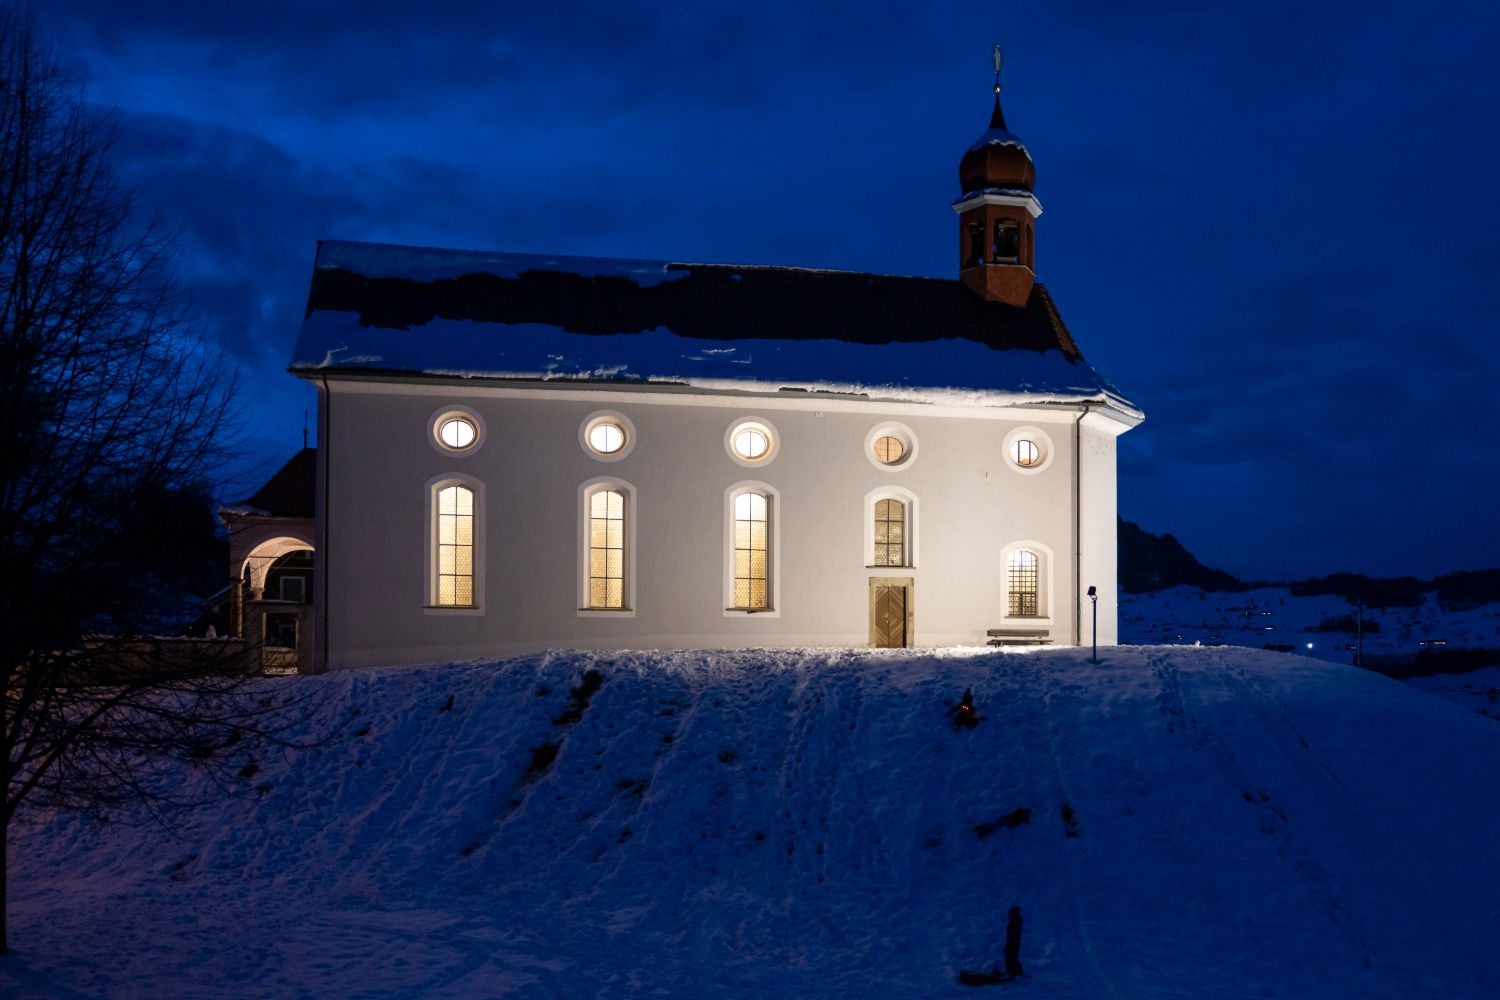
[(1019, 636)]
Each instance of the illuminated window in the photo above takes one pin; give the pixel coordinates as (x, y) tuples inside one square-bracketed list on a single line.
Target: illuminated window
[(607, 437), (457, 430), (1023, 583), (889, 449), (890, 446), (751, 442), (457, 433), (1028, 450), (890, 533), (752, 551), (606, 582), (455, 547)]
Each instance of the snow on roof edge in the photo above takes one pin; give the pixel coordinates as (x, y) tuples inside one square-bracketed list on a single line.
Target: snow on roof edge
[(931, 396)]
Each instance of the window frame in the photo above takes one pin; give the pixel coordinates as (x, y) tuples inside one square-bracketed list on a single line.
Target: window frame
[(441, 416), (773, 550), (908, 498), (902, 433), (1038, 437), (1046, 582), (586, 492), (773, 441), (430, 545), (606, 417)]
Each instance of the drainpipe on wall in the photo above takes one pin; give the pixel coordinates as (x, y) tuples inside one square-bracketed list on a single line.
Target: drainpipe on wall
[(1077, 526), (324, 441)]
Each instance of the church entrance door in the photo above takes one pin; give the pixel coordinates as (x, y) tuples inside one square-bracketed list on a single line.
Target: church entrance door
[(890, 612)]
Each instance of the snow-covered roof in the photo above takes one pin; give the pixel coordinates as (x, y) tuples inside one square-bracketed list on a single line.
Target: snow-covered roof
[(998, 136), (396, 310)]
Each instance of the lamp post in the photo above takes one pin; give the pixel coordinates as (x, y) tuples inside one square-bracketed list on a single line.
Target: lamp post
[(1094, 597)]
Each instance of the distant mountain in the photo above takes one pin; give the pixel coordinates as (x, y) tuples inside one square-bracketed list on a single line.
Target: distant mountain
[(1155, 562), (1455, 591)]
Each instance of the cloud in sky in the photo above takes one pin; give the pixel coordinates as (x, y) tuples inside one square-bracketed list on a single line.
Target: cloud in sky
[(1271, 224)]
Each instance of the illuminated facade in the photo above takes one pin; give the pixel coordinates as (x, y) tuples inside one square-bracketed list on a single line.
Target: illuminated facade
[(520, 452)]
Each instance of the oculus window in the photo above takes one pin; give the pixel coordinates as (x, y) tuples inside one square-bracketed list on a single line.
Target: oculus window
[(751, 442), (607, 436), (456, 430)]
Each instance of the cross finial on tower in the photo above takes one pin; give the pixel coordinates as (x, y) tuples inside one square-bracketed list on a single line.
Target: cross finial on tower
[(997, 119)]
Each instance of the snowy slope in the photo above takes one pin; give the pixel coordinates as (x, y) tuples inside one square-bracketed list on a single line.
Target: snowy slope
[(801, 824)]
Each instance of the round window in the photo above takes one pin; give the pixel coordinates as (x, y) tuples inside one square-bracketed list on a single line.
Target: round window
[(457, 433), (751, 442), (457, 430), (606, 437), (1028, 450), (890, 446), (889, 450)]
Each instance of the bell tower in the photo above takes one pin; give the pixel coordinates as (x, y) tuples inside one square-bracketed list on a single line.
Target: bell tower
[(997, 213)]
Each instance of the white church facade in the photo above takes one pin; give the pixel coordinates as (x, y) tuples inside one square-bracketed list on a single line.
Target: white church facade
[(521, 452)]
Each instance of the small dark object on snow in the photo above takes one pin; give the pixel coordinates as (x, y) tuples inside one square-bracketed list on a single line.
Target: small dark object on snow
[(1013, 943), (1016, 817), (971, 978), (965, 715)]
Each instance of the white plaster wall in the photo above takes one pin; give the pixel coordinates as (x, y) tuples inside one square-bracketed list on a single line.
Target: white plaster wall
[(1098, 526), (971, 505)]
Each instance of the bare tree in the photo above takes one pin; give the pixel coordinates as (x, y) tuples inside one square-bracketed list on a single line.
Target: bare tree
[(109, 408)]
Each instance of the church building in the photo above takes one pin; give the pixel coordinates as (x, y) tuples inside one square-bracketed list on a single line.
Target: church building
[(520, 452)]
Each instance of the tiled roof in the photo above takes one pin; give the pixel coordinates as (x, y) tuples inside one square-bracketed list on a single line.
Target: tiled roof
[(291, 491)]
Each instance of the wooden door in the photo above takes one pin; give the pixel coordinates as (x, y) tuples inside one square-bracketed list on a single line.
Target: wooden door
[(890, 616)]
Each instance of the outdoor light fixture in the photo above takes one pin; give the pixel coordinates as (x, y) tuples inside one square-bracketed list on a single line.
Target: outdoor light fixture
[(1094, 596)]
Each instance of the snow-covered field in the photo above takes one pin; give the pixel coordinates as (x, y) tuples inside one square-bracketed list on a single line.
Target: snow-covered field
[(1274, 616), (1199, 822)]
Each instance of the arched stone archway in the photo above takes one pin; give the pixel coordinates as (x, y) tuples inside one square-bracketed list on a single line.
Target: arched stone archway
[(257, 562)]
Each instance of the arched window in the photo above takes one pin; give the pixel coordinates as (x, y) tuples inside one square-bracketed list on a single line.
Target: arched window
[(455, 545), (890, 533), (752, 551), (1023, 584), (606, 514), (606, 549), (976, 245), (1007, 242)]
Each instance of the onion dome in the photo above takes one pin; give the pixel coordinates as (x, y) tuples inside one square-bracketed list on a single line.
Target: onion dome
[(998, 159)]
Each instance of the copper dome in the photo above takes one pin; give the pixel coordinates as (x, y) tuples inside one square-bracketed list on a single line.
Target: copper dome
[(998, 159)]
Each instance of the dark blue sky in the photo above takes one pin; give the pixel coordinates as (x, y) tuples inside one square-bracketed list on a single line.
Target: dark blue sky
[(1273, 225)]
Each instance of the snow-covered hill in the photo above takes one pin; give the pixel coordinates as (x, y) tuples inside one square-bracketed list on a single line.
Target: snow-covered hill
[(1174, 822)]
